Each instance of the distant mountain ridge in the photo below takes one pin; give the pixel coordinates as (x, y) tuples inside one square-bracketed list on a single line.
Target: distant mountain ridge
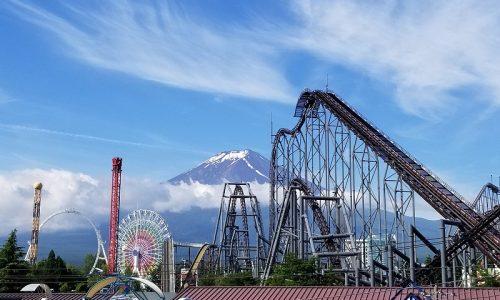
[(196, 224), (228, 166)]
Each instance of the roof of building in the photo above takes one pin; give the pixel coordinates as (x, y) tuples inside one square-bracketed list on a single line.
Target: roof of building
[(33, 287), (53, 296), (333, 293), (71, 296)]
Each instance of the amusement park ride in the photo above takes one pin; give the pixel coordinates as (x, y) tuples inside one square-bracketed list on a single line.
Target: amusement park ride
[(139, 245), (341, 191), (140, 242), (334, 177), (137, 242), (114, 216)]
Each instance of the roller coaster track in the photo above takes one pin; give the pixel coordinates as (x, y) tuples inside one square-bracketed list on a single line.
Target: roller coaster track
[(282, 132), (435, 192), (196, 263), (231, 231), (238, 191), (491, 212), (297, 184), (492, 189), (318, 215), (241, 246), (459, 242)]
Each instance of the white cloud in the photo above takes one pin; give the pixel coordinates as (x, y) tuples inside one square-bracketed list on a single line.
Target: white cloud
[(159, 43), (428, 50), (184, 196), (61, 190), (91, 196), (64, 189)]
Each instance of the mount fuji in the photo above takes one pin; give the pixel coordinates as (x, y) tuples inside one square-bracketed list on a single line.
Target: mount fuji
[(228, 166)]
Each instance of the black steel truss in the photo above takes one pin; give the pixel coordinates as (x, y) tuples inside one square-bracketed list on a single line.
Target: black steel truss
[(241, 247), (335, 153)]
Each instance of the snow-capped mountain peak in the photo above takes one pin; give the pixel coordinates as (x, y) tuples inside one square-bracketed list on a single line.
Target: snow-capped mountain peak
[(229, 155), (228, 166)]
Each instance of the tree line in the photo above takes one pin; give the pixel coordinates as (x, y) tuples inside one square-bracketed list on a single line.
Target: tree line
[(15, 273), (292, 272)]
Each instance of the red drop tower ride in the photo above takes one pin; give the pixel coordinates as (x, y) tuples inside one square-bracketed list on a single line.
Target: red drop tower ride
[(114, 216)]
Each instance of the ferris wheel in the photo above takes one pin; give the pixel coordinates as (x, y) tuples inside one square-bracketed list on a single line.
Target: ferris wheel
[(140, 241)]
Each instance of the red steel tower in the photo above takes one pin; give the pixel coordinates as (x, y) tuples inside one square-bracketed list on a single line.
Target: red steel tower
[(114, 216)]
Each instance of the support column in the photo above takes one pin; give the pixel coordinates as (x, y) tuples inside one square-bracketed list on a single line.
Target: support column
[(168, 267), (390, 265), (412, 254), (465, 270), (372, 267), (443, 254), (454, 268)]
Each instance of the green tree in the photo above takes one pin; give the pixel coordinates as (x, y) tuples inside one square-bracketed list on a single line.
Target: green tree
[(484, 277), (435, 277), (154, 275), (96, 276), (13, 270), (65, 287), (237, 279), (294, 272), (208, 279), (81, 287), (54, 272), (45, 271)]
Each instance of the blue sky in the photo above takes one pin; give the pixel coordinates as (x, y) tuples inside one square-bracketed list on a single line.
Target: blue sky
[(166, 84)]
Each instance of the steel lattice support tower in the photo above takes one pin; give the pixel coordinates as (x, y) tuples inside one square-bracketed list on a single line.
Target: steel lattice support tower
[(114, 216), (239, 233), (37, 200), (335, 177)]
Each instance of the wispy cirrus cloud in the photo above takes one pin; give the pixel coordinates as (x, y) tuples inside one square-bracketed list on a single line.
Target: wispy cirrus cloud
[(14, 127), (428, 51), (160, 43)]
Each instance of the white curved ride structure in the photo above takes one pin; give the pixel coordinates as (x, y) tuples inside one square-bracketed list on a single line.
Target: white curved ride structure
[(101, 253), (140, 241), (120, 280)]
